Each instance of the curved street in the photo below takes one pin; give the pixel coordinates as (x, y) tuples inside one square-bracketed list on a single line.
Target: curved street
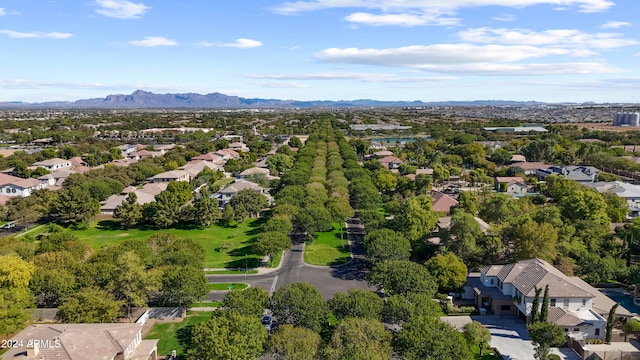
[(328, 279)]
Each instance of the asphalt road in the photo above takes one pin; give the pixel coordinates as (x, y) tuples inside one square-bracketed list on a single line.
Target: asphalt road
[(328, 279)]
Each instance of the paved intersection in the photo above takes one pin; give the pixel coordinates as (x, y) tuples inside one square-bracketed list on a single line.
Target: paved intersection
[(328, 279)]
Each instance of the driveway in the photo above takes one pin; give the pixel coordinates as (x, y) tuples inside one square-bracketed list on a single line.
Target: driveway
[(509, 335)]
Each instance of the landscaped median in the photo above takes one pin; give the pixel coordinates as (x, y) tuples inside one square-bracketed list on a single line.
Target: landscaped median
[(327, 249), (227, 286)]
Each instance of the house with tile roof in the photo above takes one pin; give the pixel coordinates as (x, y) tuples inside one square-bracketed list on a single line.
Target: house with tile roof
[(511, 185), (53, 164), (441, 202), (169, 176), (582, 174), (82, 342), (14, 186), (390, 162), (577, 307)]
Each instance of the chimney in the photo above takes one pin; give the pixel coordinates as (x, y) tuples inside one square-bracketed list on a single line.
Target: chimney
[(32, 351)]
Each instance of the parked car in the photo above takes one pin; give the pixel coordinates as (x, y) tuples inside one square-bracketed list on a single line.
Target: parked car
[(267, 322), (10, 225)]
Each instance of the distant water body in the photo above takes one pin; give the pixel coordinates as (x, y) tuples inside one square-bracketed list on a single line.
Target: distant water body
[(392, 141)]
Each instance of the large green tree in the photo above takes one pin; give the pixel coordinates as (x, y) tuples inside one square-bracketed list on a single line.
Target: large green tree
[(294, 343), (249, 302), (402, 308), (182, 285), (166, 209), (386, 244), (129, 212), (545, 335), (271, 243), (131, 282), (477, 334), (426, 338), (15, 275), (299, 304), (449, 270), (252, 201), (417, 219), (357, 303), (206, 209), (228, 335), (76, 207), (359, 339), (90, 305), (402, 277)]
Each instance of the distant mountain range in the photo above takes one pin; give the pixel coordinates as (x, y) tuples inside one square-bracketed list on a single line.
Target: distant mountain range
[(140, 99)]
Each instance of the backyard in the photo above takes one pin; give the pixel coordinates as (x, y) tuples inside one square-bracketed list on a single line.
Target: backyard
[(174, 335), (327, 249)]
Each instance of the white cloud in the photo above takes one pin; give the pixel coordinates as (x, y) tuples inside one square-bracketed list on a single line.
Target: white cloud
[(467, 58), (559, 37), (615, 24), (443, 7), (243, 43), (366, 77), (153, 41), (281, 85), (2, 12), (203, 44), (35, 35), (400, 19), (38, 84), (121, 9), (505, 17)]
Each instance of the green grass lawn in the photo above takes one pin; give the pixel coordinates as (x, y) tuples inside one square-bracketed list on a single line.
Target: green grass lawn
[(231, 272), (174, 336), (326, 249), (237, 241), (225, 286), (486, 354), (206, 304)]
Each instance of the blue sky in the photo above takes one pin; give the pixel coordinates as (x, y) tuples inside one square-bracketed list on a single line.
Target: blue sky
[(430, 50)]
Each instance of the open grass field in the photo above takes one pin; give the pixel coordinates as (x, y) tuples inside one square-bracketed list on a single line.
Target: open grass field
[(326, 249), (225, 286), (226, 247), (173, 336)]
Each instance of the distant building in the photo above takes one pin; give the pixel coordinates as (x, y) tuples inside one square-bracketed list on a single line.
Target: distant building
[(626, 119), (512, 185), (517, 129), (363, 127), (169, 176), (53, 164)]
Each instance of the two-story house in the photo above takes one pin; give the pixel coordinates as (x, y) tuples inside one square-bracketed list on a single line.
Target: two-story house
[(574, 305), (53, 164)]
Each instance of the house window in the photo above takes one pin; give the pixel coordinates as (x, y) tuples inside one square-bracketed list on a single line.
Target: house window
[(576, 329), (492, 281), (566, 303), (553, 302), (566, 330), (505, 307), (13, 191), (584, 302), (597, 332)]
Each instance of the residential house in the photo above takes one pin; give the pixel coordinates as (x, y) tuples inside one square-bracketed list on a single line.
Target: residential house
[(442, 203), (518, 158), (127, 149), (195, 167), (224, 195), (82, 342), (629, 192), (576, 306), (514, 185), (144, 195), (228, 154), (53, 164), (239, 146), (143, 154), (390, 162), (530, 168), (253, 172), (56, 178), (14, 186), (210, 156), (382, 153), (169, 176), (582, 174)]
